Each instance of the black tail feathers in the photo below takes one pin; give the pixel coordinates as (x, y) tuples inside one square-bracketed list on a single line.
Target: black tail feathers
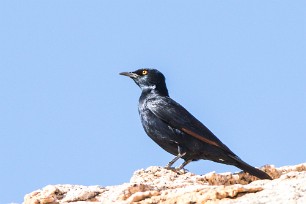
[(252, 170)]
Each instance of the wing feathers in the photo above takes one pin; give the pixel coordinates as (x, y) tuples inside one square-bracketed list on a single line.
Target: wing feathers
[(199, 137), (178, 117)]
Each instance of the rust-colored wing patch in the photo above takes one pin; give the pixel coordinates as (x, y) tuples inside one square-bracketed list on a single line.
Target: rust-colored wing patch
[(199, 137)]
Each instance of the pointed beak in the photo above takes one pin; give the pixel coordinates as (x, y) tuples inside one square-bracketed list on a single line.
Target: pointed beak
[(129, 74)]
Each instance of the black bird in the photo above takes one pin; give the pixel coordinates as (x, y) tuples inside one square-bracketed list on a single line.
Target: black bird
[(177, 131)]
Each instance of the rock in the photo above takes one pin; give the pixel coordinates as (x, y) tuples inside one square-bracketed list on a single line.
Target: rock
[(159, 185)]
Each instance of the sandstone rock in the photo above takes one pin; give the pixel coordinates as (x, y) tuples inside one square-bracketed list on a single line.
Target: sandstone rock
[(159, 185)]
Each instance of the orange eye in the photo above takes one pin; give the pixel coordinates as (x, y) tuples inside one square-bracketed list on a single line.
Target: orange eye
[(144, 72)]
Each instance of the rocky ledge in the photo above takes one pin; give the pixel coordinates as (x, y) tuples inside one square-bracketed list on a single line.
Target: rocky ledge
[(159, 185)]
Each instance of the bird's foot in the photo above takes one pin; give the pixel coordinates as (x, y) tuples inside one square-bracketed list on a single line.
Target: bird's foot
[(183, 170), (169, 167), (176, 169)]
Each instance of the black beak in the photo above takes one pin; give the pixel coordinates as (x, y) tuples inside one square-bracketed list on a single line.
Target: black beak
[(129, 74)]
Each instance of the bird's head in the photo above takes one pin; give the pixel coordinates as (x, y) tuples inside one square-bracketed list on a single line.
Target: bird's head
[(149, 79)]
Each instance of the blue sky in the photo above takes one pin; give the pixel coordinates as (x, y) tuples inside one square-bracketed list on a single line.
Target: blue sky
[(66, 116)]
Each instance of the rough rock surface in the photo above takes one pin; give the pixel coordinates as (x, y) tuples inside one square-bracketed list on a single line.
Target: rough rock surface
[(159, 185)]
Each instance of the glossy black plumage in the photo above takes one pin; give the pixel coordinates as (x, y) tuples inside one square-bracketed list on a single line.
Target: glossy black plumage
[(177, 131)]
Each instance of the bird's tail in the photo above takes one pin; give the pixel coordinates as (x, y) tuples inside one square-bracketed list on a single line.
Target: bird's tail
[(251, 170)]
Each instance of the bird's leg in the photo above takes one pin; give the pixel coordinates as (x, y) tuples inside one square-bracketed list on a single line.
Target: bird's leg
[(173, 161), (179, 155), (183, 164)]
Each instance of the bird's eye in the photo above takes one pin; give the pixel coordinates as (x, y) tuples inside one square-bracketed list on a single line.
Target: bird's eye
[(144, 72)]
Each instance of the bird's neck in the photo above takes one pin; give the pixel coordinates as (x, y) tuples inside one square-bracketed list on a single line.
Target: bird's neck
[(155, 90)]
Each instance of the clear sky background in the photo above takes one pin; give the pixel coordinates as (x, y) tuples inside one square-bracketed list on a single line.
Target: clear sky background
[(67, 117)]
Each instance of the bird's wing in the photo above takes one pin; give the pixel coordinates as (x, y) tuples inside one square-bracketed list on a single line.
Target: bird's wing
[(179, 118)]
